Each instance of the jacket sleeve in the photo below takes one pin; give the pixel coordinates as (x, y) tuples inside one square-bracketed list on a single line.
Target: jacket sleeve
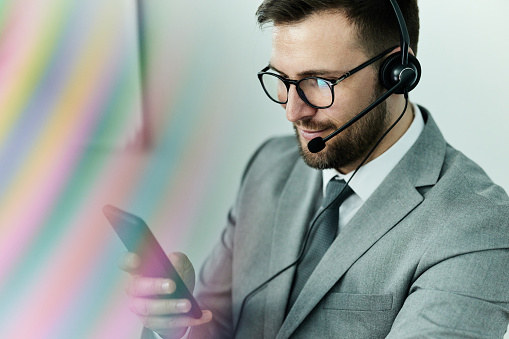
[(214, 285), (465, 296)]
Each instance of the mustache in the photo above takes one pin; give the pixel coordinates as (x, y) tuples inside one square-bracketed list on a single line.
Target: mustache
[(309, 124)]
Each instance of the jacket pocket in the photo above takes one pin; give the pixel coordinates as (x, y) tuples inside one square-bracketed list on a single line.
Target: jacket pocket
[(353, 316), (358, 302)]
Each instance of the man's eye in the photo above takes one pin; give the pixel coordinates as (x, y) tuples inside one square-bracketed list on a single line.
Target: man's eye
[(322, 83)]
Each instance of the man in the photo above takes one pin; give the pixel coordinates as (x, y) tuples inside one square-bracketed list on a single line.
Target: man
[(421, 243)]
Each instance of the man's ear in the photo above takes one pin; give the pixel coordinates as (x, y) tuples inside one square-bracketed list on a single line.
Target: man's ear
[(397, 49)]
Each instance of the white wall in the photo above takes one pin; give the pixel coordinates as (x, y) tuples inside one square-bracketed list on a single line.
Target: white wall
[(463, 49)]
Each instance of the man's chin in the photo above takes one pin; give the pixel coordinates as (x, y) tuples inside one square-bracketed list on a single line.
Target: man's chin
[(314, 160), (304, 150), (332, 156)]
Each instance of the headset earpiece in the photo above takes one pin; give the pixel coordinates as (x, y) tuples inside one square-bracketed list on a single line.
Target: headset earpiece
[(392, 68)]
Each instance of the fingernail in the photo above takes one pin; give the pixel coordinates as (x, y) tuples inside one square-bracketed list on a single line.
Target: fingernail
[(133, 260), (207, 316), (182, 306), (168, 287)]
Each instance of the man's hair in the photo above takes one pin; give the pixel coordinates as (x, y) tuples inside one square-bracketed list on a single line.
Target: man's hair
[(375, 20)]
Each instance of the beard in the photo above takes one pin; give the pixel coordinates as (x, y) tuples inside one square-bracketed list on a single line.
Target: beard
[(352, 145)]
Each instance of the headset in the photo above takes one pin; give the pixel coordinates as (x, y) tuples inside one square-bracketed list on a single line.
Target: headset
[(391, 71), (399, 74)]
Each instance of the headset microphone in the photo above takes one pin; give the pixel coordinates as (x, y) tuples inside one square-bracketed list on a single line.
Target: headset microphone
[(399, 73)]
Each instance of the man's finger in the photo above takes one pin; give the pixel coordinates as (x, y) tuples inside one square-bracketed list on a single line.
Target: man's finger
[(129, 262), (184, 268), (157, 307), (164, 324), (141, 286)]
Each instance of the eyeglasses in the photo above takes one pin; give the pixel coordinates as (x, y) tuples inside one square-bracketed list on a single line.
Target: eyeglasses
[(317, 92)]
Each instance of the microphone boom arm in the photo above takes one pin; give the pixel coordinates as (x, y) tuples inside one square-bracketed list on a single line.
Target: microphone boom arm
[(364, 112)]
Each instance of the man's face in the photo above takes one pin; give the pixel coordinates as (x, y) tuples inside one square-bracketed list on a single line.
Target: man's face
[(324, 45)]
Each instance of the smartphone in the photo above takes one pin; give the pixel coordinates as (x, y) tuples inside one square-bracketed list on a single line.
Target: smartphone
[(138, 238)]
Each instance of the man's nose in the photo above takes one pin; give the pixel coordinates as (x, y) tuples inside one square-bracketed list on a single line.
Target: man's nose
[(296, 108)]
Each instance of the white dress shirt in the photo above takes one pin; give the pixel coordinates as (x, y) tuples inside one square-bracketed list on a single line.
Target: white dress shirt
[(371, 175)]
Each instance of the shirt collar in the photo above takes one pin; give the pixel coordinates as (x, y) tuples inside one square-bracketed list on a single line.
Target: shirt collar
[(371, 175)]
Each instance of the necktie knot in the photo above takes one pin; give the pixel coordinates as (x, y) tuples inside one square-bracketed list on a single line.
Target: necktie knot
[(336, 193)]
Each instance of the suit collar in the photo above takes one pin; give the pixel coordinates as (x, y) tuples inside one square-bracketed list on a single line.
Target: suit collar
[(423, 164), (392, 201)]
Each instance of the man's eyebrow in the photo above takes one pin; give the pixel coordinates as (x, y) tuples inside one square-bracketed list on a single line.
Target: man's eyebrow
[(271, 66), (312, 73)]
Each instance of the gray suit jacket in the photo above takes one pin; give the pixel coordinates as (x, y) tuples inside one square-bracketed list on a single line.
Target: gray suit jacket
[(425, 256)]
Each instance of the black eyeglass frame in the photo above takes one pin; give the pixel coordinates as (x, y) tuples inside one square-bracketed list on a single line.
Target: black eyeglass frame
[(330, 83)]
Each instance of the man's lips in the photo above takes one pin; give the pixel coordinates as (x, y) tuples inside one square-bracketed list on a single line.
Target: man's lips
[(311, 134)]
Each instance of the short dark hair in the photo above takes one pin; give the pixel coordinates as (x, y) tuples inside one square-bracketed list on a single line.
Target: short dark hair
[(375, 21)]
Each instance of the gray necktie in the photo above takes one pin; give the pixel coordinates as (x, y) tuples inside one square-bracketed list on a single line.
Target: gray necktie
[(322, 236)]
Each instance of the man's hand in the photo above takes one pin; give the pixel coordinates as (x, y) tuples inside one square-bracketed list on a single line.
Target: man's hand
[(164, 316)]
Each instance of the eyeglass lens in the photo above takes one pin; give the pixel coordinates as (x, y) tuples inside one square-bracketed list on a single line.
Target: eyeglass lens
[(316, 91)]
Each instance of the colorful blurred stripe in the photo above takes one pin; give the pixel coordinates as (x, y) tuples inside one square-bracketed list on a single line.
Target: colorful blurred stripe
[(71, 121), (69, 87)]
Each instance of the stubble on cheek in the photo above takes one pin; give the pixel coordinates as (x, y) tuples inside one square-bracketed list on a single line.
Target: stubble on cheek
[(348, 147)]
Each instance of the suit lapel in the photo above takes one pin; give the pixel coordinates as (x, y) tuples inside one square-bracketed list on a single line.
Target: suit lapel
[(372, 221), (391, 202), (299, 200)]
